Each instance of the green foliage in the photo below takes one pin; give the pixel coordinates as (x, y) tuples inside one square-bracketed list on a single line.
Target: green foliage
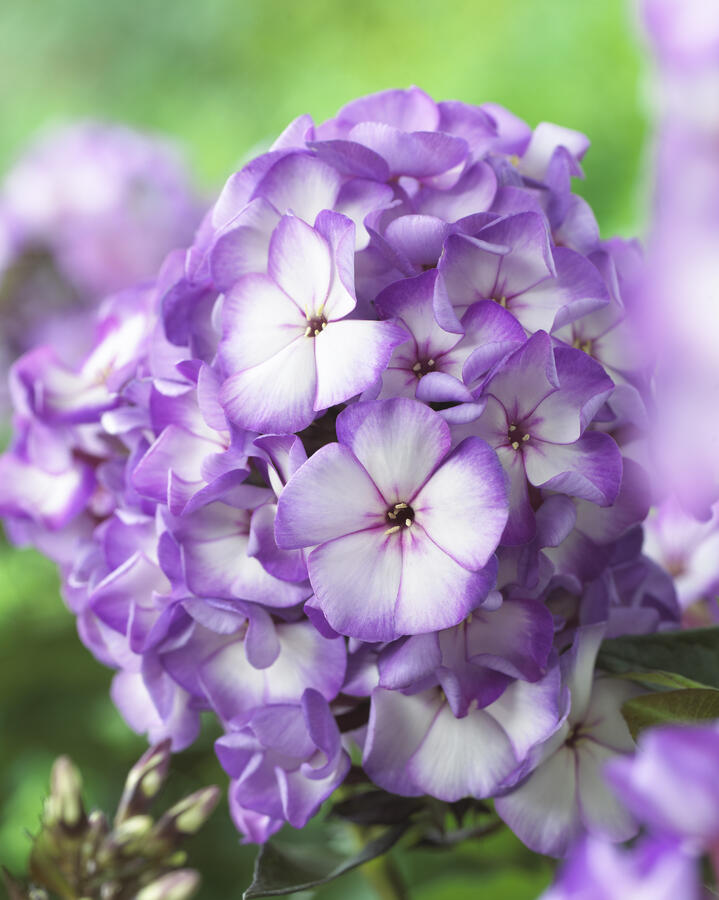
[(691, 654), (226, 76), (285, 868), (689, 706), (682, 668)]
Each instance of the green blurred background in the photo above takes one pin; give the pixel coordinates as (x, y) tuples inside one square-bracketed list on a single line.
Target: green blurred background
[(224, 77)]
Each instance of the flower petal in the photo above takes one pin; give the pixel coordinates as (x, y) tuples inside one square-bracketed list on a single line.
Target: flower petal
[(356, 580), (350, 355), (464, 506), (300, 263), (277, 395), (300, 184), (398, 441), (435, 591), (543, 811), (328, 496), (258, 320), (590, 468)]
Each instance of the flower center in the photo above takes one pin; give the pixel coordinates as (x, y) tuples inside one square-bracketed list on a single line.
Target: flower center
[(502, 301), (399, 516), (315, 325), (423, 366), (517, 436), (579, 344)]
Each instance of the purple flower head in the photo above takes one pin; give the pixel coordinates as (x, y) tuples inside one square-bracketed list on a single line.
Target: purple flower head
[(687, 549), (402, 530), (436, 364), (416, 745), (88, 209), (474, 662), (285, 760), (287, 347), (105, 202), (567, 769), (365, 448), (668, 783), (511, 262), (539, 403), (651, 870)]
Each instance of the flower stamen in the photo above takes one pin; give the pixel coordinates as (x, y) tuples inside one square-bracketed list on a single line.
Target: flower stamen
[(403, 510), (315, 325)]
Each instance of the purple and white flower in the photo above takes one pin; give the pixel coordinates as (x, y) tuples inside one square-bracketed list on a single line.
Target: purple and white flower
[(402, 530)]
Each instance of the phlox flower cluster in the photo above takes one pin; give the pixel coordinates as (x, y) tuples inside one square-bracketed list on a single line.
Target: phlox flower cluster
[(360, 474)]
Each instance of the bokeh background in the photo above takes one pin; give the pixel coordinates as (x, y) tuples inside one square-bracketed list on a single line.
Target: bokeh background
[(224, 77)]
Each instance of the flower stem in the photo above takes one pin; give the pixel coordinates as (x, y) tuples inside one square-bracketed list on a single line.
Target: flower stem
[(386, 879)]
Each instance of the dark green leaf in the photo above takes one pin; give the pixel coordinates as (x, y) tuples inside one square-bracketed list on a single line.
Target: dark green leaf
[(284, 868), (376, 808), (693, 654), (670, 706)]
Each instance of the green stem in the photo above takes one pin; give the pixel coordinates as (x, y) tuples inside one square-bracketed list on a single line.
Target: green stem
[(386, 879)]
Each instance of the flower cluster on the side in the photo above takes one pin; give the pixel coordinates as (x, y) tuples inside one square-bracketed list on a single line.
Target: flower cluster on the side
[(359, 474), (87, 209), (668, 786)]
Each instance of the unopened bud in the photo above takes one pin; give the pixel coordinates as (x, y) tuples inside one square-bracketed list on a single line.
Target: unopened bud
[(144, 780), (131, 830), (64, 805), (97, 829), (190, 814), (179, 885)]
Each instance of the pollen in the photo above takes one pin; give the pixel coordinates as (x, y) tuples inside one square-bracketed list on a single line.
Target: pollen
[(585, 346), (423, 366), (315, 325), (399, 516), (514, 440)]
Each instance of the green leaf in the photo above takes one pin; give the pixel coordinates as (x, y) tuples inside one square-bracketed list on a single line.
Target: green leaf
[(692, 705), (376, 808), (664, 681), (285, 868), (692, 654)]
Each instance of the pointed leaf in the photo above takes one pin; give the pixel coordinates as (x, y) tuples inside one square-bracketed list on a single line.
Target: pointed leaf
[(285, 868), (670, 707), (376, 808), (693, 654), (663, 681)]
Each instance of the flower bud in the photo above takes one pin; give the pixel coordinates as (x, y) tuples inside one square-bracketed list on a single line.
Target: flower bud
[(190, 814), (130, 831), (178, 885), (64, 805), (144, 780)]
